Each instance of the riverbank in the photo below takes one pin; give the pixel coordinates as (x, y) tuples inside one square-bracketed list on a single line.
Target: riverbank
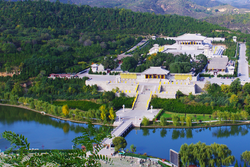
[(61, 118), (201, 125)]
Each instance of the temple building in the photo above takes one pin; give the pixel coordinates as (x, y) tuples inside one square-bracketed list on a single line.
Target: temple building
[(155, 73), (191, 44), (220, 65)]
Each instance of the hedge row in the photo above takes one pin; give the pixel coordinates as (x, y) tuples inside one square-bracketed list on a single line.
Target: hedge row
[(206, 75), (119, 101), (175, 105), (82, 105), (159, 114)]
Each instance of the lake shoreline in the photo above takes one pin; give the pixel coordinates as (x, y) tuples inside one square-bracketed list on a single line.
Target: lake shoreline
[(166, 127), (50, 115), (193, 127)]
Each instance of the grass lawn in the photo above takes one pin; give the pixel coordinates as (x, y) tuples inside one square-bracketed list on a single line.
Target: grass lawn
[(167, 114)]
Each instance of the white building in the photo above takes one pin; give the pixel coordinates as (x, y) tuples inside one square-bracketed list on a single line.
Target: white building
[(97, 68), (234, 38), (193, 44)]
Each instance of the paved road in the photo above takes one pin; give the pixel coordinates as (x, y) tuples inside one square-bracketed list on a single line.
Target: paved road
[(123, 55), (139, 44), (243, 64)]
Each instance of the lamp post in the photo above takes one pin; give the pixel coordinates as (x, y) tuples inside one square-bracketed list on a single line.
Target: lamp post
[(151, 109), (123, 106)]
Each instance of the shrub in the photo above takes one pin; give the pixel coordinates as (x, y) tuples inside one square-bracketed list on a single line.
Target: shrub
[(145, 121), (162, 121)]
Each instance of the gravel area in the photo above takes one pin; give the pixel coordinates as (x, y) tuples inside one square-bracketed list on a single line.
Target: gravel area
[(117, 162)]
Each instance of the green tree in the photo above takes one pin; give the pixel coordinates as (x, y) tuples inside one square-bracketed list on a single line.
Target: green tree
[(233, 117), (162, 121), (244, 114), (233, 99), (21, 100), (119, 142), (220, 115), (128, 63), (235, 86), (175, 119), (145, 121), (182, 119), (17, 89), (246, 157), (188, 121), (132, 148)]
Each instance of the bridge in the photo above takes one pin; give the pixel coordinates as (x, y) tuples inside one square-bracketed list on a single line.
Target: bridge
[(120, 130)]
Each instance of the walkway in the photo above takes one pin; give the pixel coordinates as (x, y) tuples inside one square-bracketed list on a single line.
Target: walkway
[(128, 119), (141, 102), (120, 130)]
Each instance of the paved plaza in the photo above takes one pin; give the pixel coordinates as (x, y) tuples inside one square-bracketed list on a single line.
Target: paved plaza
[(136, 115)]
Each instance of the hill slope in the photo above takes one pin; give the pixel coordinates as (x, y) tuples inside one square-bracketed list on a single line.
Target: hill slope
[(235, 22), (192, 8), (68, 36)]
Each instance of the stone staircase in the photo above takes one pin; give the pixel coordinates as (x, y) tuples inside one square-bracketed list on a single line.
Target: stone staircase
[(141, 103)]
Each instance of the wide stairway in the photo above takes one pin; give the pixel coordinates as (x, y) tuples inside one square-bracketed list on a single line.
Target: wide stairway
[(141, 102)]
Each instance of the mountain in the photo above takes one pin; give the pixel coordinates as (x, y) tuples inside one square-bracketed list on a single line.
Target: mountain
[(208, 3), (238, 3), (239, 22), (193, 8)]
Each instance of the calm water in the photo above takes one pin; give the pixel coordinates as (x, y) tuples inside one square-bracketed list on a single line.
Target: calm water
[(48, 133), (43, 132)]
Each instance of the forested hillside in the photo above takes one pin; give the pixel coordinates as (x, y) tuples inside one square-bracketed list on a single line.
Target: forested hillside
[(40, 35), (236, 22)]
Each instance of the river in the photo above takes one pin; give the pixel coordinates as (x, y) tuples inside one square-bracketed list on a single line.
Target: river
[(44, 132)]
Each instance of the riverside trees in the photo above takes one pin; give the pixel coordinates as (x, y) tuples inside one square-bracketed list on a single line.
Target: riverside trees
[(206, 155)]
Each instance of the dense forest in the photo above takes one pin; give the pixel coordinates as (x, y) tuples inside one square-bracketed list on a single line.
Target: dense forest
[(69, 36)]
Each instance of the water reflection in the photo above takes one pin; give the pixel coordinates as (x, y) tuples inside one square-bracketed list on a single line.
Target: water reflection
[(228, 131), (145, 131), (163, 132), (182, 133), (10, 115)]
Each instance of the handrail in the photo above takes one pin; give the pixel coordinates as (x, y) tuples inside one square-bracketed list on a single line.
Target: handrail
[(125, 128), (117, 128), (136, 89), (159, 88), (136, 96), (148, 102)]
